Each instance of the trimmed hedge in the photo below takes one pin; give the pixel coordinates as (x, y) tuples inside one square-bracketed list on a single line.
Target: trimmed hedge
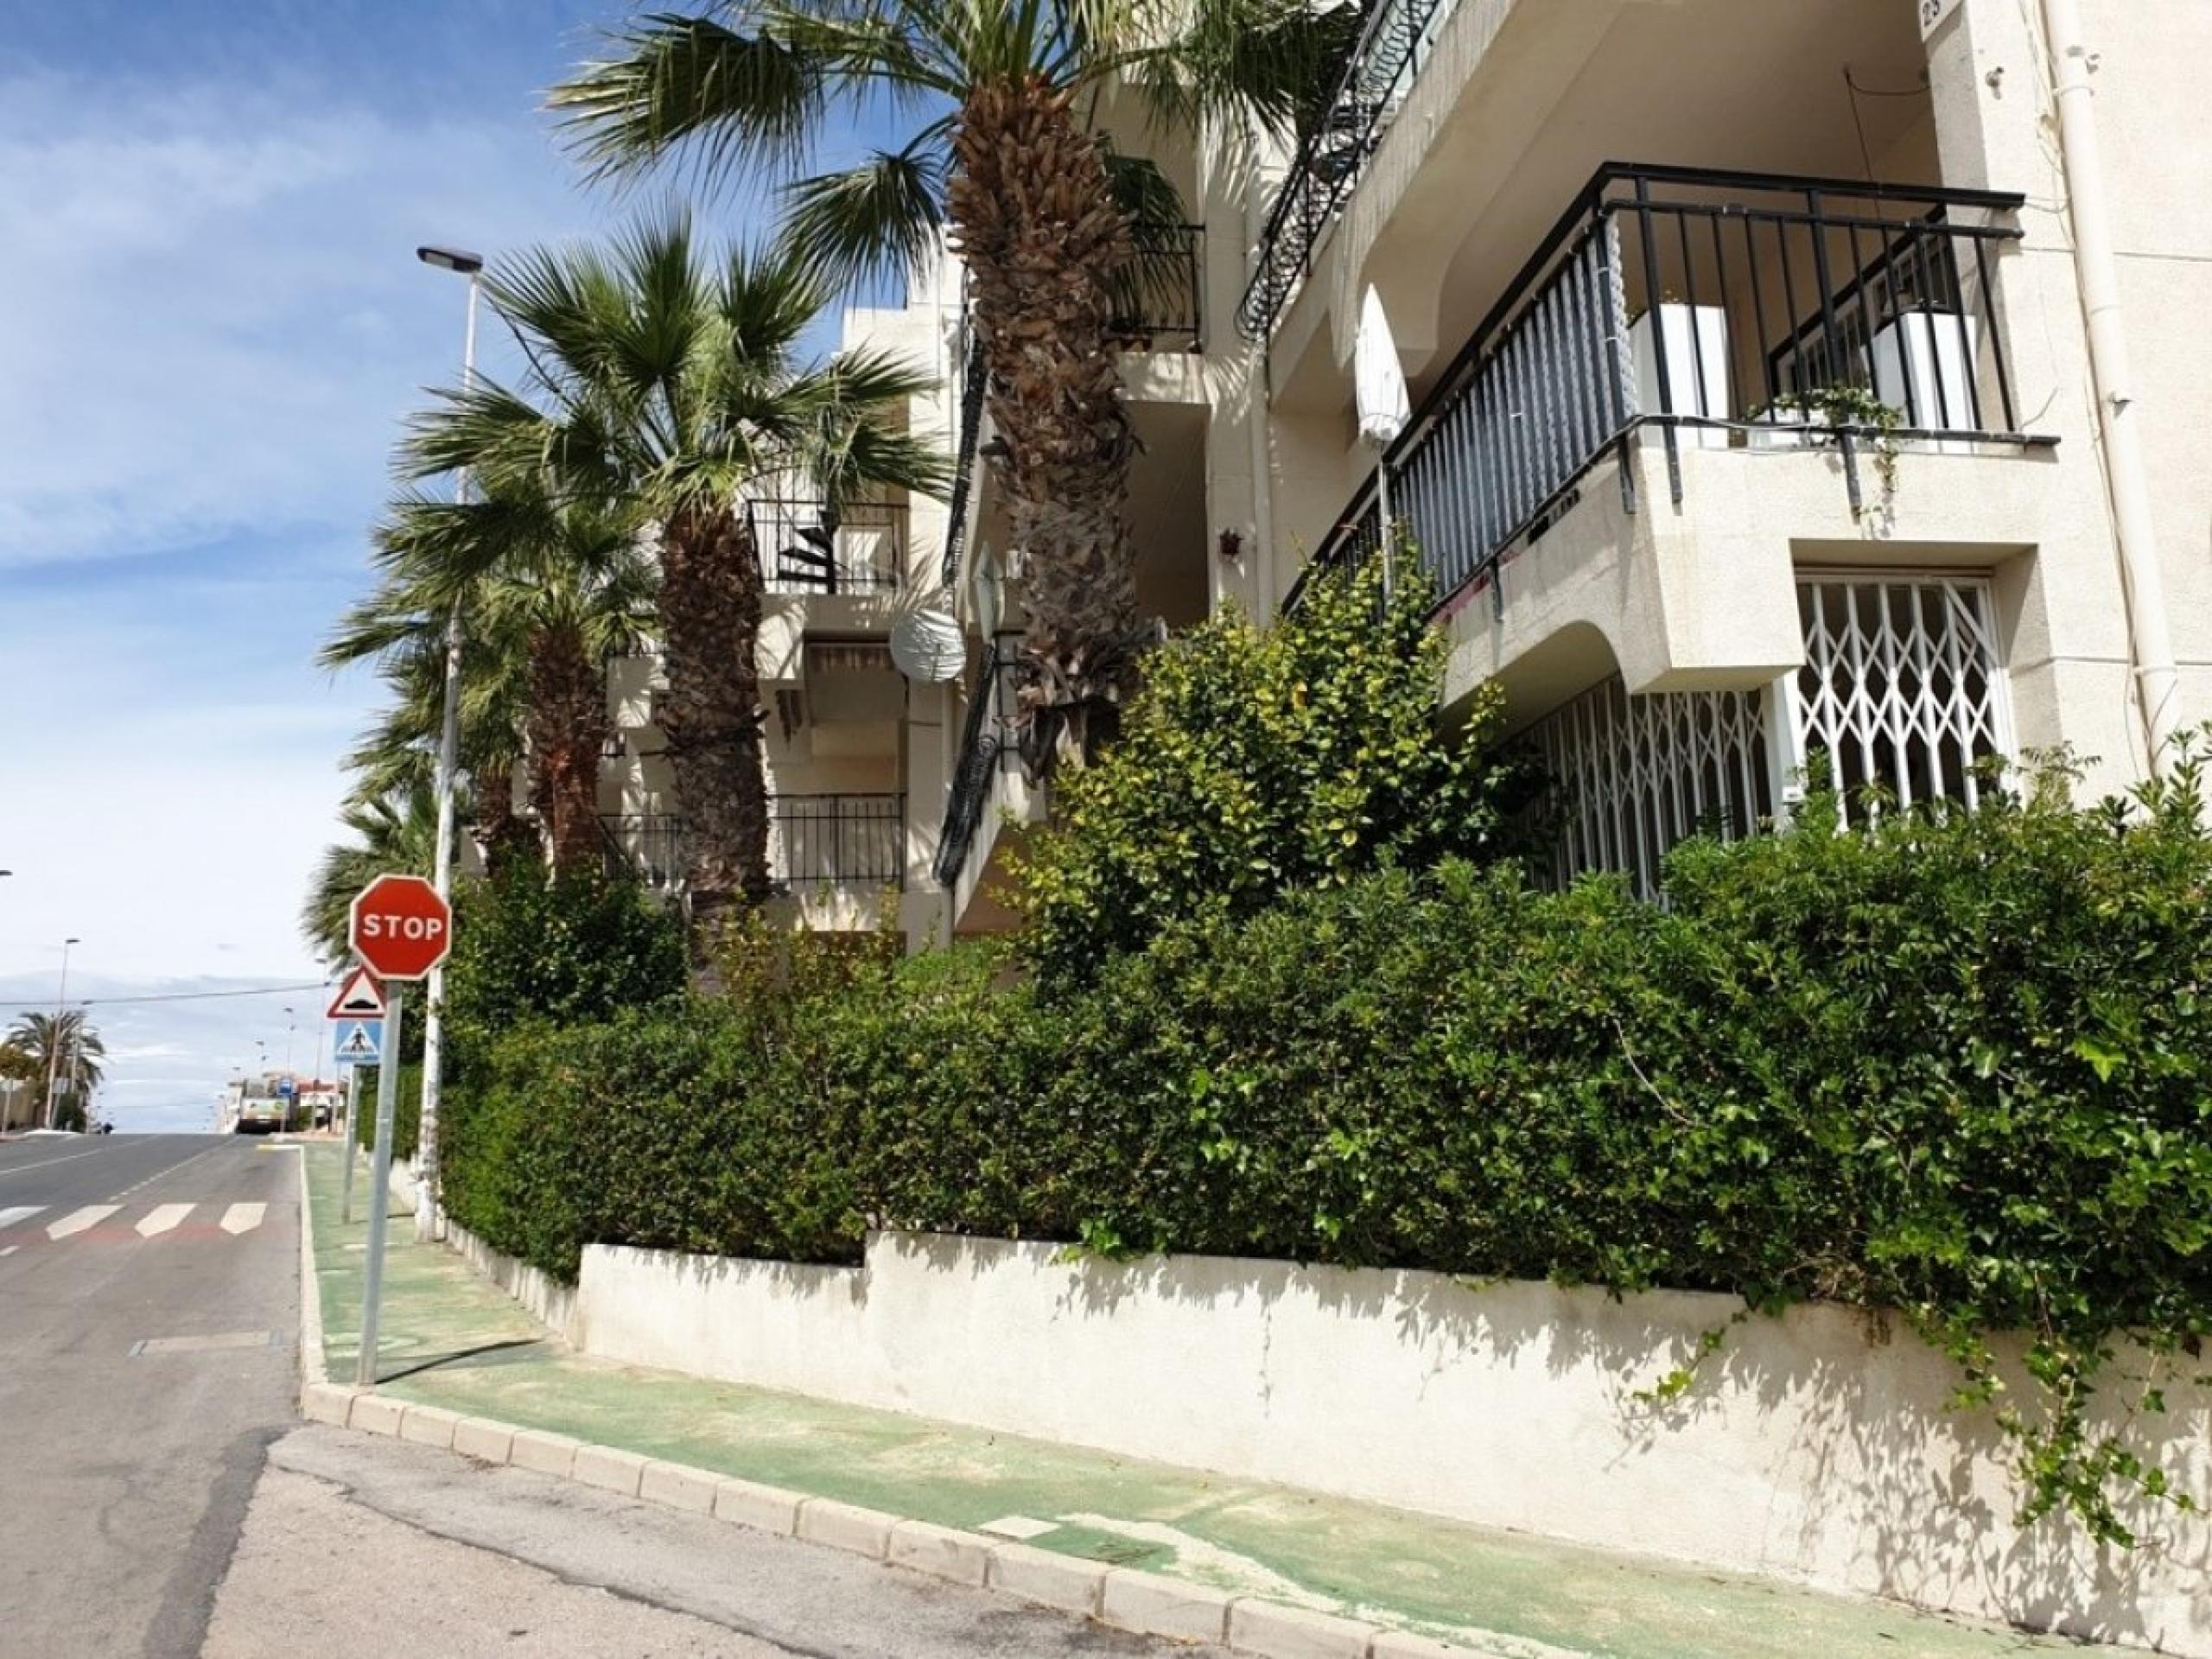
[(1957, 1067)]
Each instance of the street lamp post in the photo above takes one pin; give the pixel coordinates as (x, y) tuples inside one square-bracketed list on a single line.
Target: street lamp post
[(426, 1138), (54, 1045)]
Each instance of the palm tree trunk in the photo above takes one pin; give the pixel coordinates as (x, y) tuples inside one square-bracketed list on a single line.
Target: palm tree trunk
[(710, 632), (1033, 214), (569, 727)]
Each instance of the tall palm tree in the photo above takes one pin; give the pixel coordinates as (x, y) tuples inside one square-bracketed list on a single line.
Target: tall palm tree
[(1001, 152), (668, 382), (63, 1046), (551, 594), (395, 832)]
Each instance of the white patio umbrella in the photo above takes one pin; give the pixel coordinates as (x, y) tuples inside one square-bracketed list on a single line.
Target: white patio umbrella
[(1379, 389)]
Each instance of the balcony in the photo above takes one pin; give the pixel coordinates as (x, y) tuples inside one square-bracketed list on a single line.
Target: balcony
[(807, 547), (1397, 38), (990, 800), (856, 842), (1701, 311), (1159, 305)]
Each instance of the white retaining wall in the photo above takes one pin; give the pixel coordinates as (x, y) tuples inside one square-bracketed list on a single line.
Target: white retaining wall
[(1815, 1447)]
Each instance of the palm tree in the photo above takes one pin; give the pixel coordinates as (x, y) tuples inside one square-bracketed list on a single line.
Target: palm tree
[(550, 595), (63, 1047), (1001, 154), (397, 831), (665, 382)]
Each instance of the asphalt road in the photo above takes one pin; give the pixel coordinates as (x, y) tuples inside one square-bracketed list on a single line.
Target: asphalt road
[(158, 1497), (128, 1469)]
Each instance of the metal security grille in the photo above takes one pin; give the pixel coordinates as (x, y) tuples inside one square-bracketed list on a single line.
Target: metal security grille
[(1901, 688), (1632, 776)]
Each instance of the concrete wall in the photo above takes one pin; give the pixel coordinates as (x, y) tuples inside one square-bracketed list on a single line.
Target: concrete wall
[(1815, 1447)]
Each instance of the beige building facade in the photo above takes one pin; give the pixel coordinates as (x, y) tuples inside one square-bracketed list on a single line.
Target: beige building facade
[(1798, 387)]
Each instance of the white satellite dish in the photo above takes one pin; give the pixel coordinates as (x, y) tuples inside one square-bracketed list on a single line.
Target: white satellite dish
[(927, 645)]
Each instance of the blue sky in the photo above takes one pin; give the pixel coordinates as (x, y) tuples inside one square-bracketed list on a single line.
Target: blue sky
[(211, 323)]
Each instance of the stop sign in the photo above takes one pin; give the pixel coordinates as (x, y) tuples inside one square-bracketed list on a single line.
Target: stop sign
[(401, 928)]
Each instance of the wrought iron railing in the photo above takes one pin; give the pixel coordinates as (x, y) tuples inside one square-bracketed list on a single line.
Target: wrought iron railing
[(1721, 310), (986, 736), (1159, 298), (965, 444), (807, 547), (1382, 63), (835, 840)]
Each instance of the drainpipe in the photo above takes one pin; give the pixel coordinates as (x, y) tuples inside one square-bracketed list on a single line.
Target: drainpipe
[(2150, 642)]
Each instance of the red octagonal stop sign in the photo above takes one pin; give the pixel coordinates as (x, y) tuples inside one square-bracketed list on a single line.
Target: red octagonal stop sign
[(401, 927)]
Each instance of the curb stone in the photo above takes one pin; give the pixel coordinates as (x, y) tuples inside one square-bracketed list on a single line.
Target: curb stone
[(1144, 1603), (1152, 1606)]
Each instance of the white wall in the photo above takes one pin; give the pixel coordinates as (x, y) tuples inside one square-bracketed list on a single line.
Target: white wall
[(1813, 1447)]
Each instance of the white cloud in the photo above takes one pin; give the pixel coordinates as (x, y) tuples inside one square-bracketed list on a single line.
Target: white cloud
[(226, 316)]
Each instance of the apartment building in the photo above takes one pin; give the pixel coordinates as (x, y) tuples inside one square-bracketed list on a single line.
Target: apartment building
[(1772, 410)]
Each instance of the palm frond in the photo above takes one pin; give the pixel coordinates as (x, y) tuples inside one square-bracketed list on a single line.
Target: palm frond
[(750, 102), (876, 222)]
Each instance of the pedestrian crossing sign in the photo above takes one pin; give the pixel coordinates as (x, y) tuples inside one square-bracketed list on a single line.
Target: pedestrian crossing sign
[(360, 1043)]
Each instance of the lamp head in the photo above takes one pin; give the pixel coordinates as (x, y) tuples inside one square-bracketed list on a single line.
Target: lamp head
[(458, 259)]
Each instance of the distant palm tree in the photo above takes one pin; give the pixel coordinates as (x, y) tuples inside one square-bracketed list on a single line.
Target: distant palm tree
[(63, 1047), (550, 595), (666, 381), (1000, 149), (395, 832)]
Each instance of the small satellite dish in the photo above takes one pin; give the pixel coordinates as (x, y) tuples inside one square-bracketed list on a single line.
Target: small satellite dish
[(928, 645)]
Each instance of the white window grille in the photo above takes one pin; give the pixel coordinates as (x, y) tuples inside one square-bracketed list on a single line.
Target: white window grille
[(1633, 776), (1902, 687)]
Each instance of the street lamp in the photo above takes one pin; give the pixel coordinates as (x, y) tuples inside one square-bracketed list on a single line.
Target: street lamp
[(470, 266), (53, 1044)]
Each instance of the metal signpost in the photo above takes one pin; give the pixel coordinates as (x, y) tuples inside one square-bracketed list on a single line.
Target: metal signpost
[(358, 1013), (401, 928)]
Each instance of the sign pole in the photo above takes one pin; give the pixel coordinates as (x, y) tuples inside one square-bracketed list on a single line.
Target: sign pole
[(365, 1364), (352, 1105)]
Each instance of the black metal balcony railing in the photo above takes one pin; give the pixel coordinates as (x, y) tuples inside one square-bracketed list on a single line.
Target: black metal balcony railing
[(856, 841), (808, 547), (1732, 309), (1158, 304), (966, 442), (1388, 54), (985, 737)]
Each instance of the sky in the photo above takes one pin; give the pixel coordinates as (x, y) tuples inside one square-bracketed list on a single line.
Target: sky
[(212, 323)]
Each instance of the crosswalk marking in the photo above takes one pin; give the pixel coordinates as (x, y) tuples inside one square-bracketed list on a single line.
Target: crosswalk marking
[(91, 1216), (161, 1218), (21, 1212), (242, 1217)]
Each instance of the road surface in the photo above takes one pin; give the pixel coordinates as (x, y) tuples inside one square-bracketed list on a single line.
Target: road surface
[(149, 1330), (161, 1498)]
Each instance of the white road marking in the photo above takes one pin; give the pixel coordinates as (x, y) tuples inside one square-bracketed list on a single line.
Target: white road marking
[(10, 1251), (161, 1218), (242, 1217), (91, 1216), (21, 1212), (47, 1163), (158, 1173)]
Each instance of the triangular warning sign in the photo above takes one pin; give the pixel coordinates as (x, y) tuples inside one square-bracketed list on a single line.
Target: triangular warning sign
[(361, 997)]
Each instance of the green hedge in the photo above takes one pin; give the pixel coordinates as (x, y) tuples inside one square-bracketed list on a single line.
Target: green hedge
[(406, 1110), (1961, 1067)]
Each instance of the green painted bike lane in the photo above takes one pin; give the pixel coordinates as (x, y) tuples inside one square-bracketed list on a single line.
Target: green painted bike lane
[(451, 1339)]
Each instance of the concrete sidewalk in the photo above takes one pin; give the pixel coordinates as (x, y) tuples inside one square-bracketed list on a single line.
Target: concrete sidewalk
[(451, 1339)]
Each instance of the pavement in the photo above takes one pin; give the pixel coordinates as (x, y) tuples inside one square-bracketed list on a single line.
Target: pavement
[(451, 1339), (149, 1332)]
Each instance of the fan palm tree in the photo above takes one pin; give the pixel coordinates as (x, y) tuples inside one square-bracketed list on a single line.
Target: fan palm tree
[(398, 753), (1000, 154), (549, 594), (667, 383), (396, 832), (63, 1046)]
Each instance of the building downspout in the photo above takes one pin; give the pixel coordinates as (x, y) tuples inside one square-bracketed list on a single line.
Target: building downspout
[(2150, 640)]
